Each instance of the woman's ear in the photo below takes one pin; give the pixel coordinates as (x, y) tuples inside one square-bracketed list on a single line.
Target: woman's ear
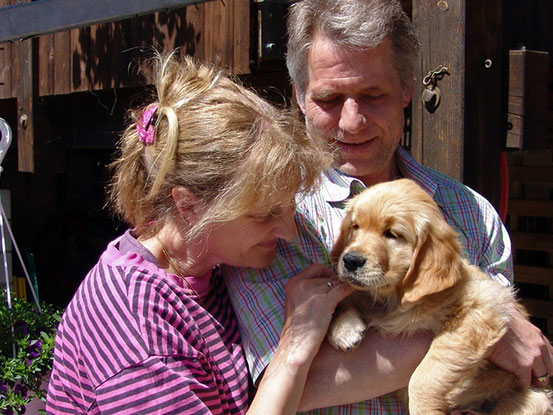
[(185, 201)]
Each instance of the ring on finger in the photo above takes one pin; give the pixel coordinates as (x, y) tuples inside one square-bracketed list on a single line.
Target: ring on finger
[(544, 378)]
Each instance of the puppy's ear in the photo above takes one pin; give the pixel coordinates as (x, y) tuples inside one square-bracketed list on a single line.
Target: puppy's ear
[(436, 263)]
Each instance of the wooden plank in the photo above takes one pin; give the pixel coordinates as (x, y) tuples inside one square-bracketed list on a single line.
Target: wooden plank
[(81, 68), (527, 104), (534, 275), (49, 16), (46, 68), (532, 241), (224, 38), (209, 55), (195, 31), (241, 37), (485, 124), (62, 62), (97, 56), (5, 64), (217, 33), (531, 174), (25, 129), (5, 71), (533, 208), (165, 33)]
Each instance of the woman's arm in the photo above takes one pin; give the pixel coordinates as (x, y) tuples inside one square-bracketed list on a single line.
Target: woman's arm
[(310, 303)]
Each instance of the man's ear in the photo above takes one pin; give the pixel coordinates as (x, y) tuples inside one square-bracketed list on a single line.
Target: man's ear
[(185, 201), (299, 99)]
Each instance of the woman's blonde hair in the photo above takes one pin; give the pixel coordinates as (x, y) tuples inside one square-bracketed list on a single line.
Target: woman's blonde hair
[(221, 141)]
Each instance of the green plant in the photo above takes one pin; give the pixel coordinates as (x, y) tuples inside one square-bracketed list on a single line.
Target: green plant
[(26, 352)]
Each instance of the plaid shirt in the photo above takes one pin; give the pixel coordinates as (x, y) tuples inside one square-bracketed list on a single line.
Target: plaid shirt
[(258, 294)]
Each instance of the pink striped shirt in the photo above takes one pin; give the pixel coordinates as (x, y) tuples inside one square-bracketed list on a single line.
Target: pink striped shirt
[(135, 340)]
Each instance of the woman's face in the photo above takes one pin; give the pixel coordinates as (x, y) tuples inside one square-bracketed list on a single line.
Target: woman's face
[(250, 240)]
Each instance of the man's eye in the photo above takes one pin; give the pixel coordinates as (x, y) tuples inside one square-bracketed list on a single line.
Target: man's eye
[(327, 101), (373, 97)]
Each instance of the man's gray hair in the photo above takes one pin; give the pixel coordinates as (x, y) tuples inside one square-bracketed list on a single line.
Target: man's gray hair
[(354, 24)]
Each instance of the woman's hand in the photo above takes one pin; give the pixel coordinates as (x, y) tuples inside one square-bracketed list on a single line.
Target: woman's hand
[(311, 298)]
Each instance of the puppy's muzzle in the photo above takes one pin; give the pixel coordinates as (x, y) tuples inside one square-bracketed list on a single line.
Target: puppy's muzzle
[(353, 261)]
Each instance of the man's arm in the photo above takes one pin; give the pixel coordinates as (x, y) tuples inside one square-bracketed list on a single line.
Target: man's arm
[(523, 350), (379, 365)]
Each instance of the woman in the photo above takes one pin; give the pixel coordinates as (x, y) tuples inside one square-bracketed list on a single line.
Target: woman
[(207, 175)]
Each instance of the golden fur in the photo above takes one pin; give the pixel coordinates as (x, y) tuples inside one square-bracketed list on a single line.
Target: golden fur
[(404, 260)]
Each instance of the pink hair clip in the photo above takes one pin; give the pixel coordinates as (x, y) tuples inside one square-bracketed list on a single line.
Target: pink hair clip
[(145, 127)]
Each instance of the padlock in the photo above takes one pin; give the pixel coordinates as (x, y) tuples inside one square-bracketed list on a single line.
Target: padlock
[(431, 98)]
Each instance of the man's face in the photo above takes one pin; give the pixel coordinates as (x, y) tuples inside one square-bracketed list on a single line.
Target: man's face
[(355, 101)]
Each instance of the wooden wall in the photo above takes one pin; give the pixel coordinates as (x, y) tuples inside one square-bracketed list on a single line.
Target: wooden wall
[(103, 56), (106, 56)]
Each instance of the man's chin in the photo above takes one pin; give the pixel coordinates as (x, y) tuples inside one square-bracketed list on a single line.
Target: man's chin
[(350, 169)]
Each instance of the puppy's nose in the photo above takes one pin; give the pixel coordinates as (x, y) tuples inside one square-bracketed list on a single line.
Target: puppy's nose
[(353, 260)]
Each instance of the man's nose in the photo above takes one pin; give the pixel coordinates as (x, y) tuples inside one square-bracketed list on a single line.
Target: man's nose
[(351, 118)]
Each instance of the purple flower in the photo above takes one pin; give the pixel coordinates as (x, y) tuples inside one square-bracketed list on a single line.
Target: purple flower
[(21, 390), (34, 350), (3, 390), (21, 324), (7, 411)]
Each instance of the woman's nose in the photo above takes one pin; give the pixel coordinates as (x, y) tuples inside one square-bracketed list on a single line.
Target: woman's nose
[(351, 119), (286, 226)]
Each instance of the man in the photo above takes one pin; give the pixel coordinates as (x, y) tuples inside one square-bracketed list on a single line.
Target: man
[(352, 66)]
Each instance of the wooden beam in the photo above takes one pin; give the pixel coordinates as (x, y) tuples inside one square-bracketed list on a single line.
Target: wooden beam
[(40, 17), (485, 101), (25, 110)]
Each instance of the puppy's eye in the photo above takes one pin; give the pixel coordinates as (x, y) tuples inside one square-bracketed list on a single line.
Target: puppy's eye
[(389, 233), (354, 226)]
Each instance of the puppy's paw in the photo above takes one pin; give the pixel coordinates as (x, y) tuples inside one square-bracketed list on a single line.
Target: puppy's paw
[(346, 333)]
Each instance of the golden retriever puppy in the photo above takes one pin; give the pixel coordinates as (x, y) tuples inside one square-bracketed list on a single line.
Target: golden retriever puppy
[(404, 260)]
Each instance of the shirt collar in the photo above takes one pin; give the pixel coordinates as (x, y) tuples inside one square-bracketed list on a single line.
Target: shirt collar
[(339, 187), (409, 168)]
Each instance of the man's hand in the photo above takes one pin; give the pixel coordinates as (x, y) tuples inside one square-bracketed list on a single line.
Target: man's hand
[(524, 351)]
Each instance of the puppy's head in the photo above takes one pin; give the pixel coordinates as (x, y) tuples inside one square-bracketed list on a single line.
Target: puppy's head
[(395, 244)]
